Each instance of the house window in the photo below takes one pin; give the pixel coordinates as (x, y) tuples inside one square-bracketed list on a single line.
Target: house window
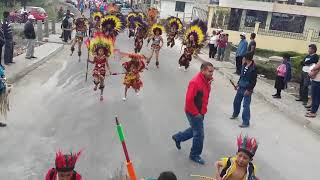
[(180, 6), (288, 22), (253, 16)]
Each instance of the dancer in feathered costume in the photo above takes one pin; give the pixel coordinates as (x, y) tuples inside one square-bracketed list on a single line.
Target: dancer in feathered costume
[(101, 48), (152, 15), (142, 29), (193, 38), (133, 68), (131, 24), (239, 167), (4, 96), (157, 42), (173, 27), (81, 30), (64, 167), (142, 15), (97, 17), (112, 26)]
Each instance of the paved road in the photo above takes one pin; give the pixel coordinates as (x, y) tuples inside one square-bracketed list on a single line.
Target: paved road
[(54, 108)]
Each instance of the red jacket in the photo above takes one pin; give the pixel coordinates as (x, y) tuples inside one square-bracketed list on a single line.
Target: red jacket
[(198, 95), (52, 175)]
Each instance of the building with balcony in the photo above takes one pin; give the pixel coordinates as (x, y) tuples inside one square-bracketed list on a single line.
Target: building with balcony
[(287, 21)]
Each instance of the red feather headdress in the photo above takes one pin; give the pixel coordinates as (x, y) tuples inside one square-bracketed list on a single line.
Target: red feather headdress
[(247, 144), (66, 162)]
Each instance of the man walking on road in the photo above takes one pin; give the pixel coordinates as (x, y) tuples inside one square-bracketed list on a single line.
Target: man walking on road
[(30, 35), (241, 51), (246, 84), (8, 35), (195, 108)]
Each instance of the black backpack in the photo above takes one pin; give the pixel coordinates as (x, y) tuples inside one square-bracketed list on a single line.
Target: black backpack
[(65, 22), (74, 175)]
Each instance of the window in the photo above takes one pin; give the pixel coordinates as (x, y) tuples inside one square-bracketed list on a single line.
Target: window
[(253, 16), (288, 22), (180, 6)]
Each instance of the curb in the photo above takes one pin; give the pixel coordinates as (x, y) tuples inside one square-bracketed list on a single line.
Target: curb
[(17, 76), (290, 113)]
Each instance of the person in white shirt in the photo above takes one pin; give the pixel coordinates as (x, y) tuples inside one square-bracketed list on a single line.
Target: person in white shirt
[(213, 45)]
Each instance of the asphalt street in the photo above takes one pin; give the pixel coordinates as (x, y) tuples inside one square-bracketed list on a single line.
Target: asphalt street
[(54, 108)]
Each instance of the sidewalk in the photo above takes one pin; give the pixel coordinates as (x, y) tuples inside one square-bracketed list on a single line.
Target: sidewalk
[(286, 104), (23, 66)]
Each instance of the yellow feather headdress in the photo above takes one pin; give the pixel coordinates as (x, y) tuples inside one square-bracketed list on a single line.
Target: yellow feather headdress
[(114, 23), (157, 27), (100, 41), (174, 20), (197, 33), (96, 15)]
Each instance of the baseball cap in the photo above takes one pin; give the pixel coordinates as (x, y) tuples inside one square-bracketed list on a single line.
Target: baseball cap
[(243, 34)]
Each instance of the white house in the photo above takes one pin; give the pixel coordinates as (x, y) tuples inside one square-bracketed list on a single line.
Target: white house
[(181, 8)]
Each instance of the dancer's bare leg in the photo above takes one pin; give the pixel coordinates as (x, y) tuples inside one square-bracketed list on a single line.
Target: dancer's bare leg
[(157, 58), (72, 46)]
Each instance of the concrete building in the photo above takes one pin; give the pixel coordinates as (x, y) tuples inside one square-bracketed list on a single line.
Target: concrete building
[(182, 9), (294, 26)]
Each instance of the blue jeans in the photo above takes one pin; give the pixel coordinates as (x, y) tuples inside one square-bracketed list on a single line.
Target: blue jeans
[(246, 106), (196, 132), (221, 53), (315, 89)]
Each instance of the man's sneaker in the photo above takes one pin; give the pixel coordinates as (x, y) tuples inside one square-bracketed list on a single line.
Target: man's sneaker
[(197, 159), (3, 124), (233, 117), (243, 126), (178, 145), (124, 99)]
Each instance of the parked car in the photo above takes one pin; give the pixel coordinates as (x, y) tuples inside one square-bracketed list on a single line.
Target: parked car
[(38, 12)]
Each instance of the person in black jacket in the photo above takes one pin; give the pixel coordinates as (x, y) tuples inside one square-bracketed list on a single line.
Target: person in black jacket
[(8, 36), (30, 35)]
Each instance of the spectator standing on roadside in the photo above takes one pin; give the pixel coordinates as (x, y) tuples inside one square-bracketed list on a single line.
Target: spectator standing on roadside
[(2, 42), (283, 76), (315, 90), (213, 45), (307, 62), (252, 45), (8, 36), (30, 35), (222, 44), (241, 51)]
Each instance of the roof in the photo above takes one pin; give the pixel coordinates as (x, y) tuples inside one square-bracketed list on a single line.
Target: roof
[(271, 7)]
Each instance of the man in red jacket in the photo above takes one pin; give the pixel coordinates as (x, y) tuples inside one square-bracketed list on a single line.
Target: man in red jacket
[(196, 107)]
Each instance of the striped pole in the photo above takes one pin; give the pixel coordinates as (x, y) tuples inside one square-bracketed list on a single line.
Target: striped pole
[(130, 167)]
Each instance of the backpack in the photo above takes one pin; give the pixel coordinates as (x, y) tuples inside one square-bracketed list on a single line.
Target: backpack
[(65, 22)]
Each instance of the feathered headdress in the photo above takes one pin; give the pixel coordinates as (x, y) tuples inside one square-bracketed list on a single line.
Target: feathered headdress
[(142, 15), (97, 16), (157, 27), (131, 19), (81, 20), (171, 21), (101, 41), (133, 56), (198, 30), (112, 23), (152, 14), (247, 145), (66, 162), (112, 8)]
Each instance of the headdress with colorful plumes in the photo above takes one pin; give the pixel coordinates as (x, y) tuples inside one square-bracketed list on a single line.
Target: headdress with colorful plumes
[(247, 144), (152, 15), (131, 20), (112, 8), (112, 23), (80, 21), (174, 21), (156, 27), (97, 16), (101, 41), (142, 15), (66, 162), (198, 30)]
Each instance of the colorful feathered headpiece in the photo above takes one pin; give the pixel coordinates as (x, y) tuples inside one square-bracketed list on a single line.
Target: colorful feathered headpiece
[(101, 41), (247, 145), (174, 21), (131, 19), (157, 27), (81, 21), (198, 30), (112, 8), (97, 16), (152, 14), (112, 23), (66, 162), (142, 15)]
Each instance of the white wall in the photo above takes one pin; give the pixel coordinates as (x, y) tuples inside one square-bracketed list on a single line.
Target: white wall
[(168, 9), (312, 23)]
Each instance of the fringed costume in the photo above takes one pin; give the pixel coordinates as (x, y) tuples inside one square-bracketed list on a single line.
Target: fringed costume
[(133, 68), (229, 166), (112, 26), (173, 27), (141, 34), (131, 24), (81, 30), (97, 17), (4, 96), (102, 48), (157, 42), (64, 167), (193, 38)]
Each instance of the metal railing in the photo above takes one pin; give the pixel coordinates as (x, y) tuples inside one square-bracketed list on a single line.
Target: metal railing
[(283, 34), (315, 36)]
